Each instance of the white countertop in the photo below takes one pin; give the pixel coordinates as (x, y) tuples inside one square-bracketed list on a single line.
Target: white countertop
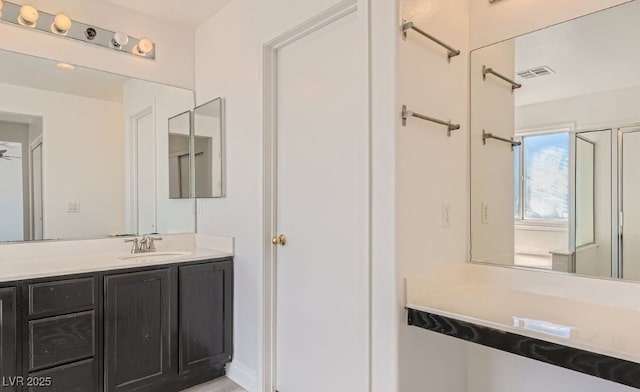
[(38, 260), (540, 312)]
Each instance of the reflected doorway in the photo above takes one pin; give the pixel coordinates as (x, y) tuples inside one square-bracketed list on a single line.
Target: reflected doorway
[(21, 200)]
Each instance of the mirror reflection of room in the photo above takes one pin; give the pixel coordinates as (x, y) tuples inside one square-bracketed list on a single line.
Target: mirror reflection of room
[(552, 139), (180, 156), (208, 140), (80, 153)]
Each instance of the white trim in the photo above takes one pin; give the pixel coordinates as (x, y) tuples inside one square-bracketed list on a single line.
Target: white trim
[(549, 129), (268, 311), (242, 375), (37, 142), (131, 165)]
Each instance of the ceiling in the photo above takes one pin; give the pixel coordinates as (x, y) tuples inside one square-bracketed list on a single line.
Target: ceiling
[(186, 13), (589, 55), (39, 73)]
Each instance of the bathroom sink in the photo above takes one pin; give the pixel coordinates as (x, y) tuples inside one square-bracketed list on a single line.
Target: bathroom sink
[(153, 255)]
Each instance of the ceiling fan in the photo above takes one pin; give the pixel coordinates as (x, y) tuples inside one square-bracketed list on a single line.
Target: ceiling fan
[(7, 157)]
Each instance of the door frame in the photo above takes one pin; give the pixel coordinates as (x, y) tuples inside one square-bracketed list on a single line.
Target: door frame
[(619, 200), (37, 142), (270, 82), (131, 209)]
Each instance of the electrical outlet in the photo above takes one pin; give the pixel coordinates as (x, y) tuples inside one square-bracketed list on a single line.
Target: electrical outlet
[(446, 215), (484, 211)]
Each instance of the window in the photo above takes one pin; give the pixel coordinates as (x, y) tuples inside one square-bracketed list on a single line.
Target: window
[(542, 178)]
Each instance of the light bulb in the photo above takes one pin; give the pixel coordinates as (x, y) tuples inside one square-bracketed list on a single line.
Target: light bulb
[(65, 66), (61, 24), (28, 16), (144, 46), (119, 40)]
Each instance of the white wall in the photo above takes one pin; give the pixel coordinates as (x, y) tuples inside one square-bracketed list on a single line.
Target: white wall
[(94, 133), (172, 215), (174, 45), (490, 370), (601, 110), (431, 169)]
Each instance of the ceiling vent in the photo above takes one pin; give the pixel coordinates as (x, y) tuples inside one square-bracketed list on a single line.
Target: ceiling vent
[(536, 72)]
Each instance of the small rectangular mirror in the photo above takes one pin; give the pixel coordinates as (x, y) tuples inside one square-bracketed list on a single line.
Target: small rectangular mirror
[(179, 156), (208, 144)]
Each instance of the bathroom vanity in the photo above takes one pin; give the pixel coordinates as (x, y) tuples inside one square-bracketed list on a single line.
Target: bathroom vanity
[(147, 323)]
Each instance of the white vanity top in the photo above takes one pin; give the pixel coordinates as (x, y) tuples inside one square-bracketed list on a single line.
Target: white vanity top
[(36, 260), (568, 310)]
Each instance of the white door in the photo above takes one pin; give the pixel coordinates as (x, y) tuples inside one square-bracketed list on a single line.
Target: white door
[(145, 172), (36, 192), (322, 207)]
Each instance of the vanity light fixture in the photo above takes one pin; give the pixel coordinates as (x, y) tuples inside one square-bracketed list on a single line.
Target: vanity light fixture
[(66, 66), (144, 46), (119, 40), (61, 24), (29, 16)]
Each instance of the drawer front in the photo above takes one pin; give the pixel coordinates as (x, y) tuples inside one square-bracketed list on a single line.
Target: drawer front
[(60, 297), (59, 340), (76, 377)]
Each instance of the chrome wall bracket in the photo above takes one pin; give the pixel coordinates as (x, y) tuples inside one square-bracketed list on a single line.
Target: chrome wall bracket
[(409, 113), (489, 71), (46, 23), (406, 26), (511, 142)]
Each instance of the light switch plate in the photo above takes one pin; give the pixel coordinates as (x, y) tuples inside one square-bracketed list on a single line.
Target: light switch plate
[(73, 207)]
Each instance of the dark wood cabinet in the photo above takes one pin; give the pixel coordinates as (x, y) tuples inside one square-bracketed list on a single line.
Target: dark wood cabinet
[(137, 314), (9, 345), (155, 328), (205, 303)]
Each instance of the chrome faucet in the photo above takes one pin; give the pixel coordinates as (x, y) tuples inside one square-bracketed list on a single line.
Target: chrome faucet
[(144, 245)]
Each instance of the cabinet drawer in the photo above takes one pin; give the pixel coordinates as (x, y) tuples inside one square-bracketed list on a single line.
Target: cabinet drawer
[(60, 297), (63, 339), (75, 377)]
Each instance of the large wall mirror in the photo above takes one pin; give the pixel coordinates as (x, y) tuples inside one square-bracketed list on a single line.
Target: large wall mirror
[(555, 136), (83, 153)]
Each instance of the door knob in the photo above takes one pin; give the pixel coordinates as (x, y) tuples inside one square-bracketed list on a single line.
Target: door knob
[(279, 240)]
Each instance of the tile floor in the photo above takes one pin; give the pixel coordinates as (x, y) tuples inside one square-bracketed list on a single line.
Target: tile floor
[(221, 384)]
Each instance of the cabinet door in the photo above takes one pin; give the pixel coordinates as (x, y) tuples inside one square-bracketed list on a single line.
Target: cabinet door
[(137, 329), (206, 317), (8, 339)]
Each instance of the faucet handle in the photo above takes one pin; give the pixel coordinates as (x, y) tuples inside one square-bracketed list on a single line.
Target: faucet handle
[(135, 246), (149, 243)]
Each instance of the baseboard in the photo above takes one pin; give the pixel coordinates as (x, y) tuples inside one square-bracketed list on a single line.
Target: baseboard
[(242, 375)]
